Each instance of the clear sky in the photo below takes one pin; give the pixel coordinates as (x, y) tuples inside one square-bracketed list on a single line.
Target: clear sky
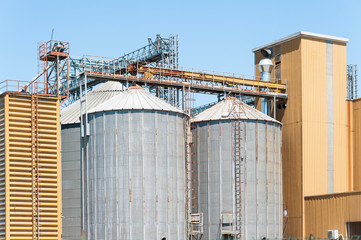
[(213, 35)]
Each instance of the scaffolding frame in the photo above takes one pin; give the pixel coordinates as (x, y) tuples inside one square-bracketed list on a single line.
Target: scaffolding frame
[(55, 67), (161, 52), (352, 81)]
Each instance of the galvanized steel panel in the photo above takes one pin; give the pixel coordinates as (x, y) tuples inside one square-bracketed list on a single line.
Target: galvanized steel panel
[(261, 187), (231, 108), (135, 173), (71, 185), (71, 114), (135, 98)]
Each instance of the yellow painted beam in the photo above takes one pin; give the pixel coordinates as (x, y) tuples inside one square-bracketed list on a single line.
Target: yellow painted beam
[(202, 76)]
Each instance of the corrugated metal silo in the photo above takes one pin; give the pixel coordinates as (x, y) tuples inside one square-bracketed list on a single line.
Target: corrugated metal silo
[(135, 169), (239, 171), (70, 157)]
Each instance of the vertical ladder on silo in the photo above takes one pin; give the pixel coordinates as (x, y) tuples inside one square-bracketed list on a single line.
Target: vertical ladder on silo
[(238, 162), (188, 192), (196, 218), (35, 164), (193, 217)]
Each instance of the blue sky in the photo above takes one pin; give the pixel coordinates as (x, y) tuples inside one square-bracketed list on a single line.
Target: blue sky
[(213, 35)]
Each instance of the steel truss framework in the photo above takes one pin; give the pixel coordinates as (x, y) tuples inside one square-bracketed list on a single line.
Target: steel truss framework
[(155, 66), (199, 82), (162, 52), (54, 66), (175, 82)]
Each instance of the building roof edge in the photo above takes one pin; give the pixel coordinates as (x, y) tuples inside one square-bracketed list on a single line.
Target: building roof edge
[(302, 34)]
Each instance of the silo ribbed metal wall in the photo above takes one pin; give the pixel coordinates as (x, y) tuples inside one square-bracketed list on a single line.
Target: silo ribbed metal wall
[(71, 185), (135, 175), (261, 194)]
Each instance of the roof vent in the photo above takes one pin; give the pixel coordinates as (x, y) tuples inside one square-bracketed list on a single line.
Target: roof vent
[(265, 66)]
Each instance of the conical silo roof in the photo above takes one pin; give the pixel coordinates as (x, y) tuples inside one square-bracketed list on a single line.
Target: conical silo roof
[(71, 114), (232, 108), (135, 98)]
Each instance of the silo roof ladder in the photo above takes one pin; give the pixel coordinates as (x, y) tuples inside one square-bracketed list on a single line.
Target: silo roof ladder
[(238, 158)]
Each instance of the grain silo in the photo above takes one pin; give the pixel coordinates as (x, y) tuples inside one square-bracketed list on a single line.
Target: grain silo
[(134, 169), (71, 158), (239, 172)]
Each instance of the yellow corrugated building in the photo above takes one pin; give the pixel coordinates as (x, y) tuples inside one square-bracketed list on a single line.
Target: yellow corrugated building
[(316, 129), (356, 144), (30, 201), (340, 211)]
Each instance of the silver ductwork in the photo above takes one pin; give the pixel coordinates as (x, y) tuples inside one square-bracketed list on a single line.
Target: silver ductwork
[(265, 66)]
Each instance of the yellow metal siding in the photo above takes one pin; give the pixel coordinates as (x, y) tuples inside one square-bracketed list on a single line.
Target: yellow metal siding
[(20, 146), (20, 160), (356, 136), (314, 116), (58, 168), (291, 118), (323, 213), (7, 169), (341, 163), (2, 172)]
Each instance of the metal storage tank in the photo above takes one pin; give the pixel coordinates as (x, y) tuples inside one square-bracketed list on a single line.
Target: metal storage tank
[(70, 157), (239, 171), (135, 169)]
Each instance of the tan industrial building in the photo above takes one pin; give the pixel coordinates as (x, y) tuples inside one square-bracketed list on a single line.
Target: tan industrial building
[(30, 166), (321, 149)]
